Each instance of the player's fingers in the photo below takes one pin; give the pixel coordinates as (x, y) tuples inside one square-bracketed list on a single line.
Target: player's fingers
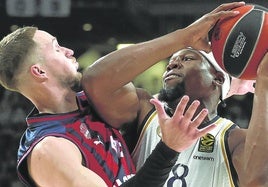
[(199, 118), (224, 14), (205, 130), (224, 11), (228, 6), (159, 108), (189, 113), (179, 112)]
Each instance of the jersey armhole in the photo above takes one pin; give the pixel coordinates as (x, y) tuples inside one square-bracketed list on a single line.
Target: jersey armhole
[(228, 152)]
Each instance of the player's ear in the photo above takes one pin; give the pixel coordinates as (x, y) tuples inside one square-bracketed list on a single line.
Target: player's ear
[(219, 78), (37, 71)]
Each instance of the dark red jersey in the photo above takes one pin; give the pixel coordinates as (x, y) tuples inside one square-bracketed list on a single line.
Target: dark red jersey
[(102, 147)]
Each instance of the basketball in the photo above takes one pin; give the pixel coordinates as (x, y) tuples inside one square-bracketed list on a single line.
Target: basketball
[(239, 43)]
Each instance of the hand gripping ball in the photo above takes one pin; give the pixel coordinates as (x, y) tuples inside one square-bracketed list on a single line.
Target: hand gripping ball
[(240, 42)]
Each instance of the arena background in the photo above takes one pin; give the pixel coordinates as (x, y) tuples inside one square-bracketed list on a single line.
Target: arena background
[(92, 28)]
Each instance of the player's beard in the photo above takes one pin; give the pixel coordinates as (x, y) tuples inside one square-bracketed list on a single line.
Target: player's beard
[(73, 82), (171, 94), (76, 84)]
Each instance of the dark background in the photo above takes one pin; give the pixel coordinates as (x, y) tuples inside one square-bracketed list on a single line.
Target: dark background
[(113, 22)]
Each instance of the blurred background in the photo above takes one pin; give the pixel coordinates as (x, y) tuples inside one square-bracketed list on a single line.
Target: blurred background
[(93, 28)]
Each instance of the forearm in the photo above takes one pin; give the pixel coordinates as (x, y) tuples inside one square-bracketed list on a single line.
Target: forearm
[(156, 169), (133, 60), (256, 145)]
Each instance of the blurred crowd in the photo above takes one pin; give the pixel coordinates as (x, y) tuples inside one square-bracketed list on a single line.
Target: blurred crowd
[(13, 110)]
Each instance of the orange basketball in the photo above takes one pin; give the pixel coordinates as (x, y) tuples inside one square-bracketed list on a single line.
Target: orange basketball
[(239, 43)]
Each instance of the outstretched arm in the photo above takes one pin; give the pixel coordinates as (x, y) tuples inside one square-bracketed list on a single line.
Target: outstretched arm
[(256, 147), (253, 159), (106, 82)]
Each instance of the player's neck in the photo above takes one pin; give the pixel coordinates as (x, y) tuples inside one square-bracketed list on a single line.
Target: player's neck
[(56, 103)]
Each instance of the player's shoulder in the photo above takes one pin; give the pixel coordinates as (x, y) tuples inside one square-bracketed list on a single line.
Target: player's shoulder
[(53, 156), (50, 145)]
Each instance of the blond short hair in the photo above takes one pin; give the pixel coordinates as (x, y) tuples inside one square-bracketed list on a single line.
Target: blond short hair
[(14, 49)]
